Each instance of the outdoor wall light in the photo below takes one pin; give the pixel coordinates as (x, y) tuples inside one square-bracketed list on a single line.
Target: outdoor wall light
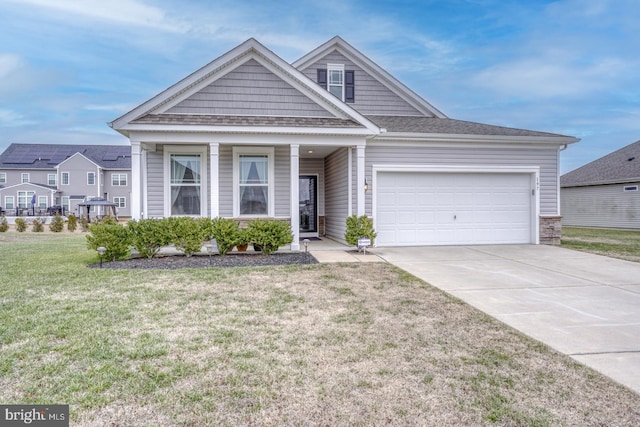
[(101, 251), (366, 185)]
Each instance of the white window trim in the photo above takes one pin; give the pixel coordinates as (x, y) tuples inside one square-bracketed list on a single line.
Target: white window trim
[(204, 173), (262, 151), (22, 177), (62, 174), (13, 202), (3, 177), (49, 179), (124, 202), (119, 175), (94, 178), (42, 205), (335, 67)]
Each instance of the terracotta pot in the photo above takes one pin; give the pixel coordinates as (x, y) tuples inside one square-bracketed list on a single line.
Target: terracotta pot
[(242, 248)]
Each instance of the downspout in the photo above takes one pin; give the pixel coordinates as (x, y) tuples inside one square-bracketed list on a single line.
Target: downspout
[(561, 148)]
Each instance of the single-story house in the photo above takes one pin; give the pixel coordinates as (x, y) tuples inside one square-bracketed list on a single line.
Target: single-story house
[(604, 193), (332, 134), (36, 177)]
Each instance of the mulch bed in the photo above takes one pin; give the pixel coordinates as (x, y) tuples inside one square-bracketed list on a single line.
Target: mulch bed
[(202, 261)]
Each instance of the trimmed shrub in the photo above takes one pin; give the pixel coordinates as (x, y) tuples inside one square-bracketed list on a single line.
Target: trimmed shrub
[(187, 234), (148, 236), (84, 224), (57, 224), (359, 227), (4, 224), (269, 234), (21, 225), (226, 232), (72, 222), (37, 225), (113, 237)]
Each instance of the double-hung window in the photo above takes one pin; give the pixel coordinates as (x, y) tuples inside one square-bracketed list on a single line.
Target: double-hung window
[(120, 202), (185, 180), (91, 178), (52, 179), (64, 178), (42, 202), (336, 80), (9, 203), (253, 178), (25, 177), (119, 179), (3, 177)]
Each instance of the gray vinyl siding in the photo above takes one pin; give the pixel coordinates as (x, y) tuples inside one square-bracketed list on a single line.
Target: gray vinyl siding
[(315, 167), (282, 181), (118, 190), (336, 197), (250, 90), (14, 176), (545, 158), (78, 166), (225, 173), (606, 206), (371, 96), (155, 183)]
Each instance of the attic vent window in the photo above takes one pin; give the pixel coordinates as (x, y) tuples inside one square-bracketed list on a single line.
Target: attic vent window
[(630, 188), (338, 81)]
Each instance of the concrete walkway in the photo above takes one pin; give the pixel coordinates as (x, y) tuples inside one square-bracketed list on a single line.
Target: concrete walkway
[(583, 305)]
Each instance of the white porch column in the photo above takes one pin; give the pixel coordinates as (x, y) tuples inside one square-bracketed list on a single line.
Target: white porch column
[(214, 154), (360, 183), (295, 195), (135, 180), (143, 170)]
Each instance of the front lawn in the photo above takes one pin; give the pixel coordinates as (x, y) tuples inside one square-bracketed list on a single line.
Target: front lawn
[(333, 345), (623, 244)]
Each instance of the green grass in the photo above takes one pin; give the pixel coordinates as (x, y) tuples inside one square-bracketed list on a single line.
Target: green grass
[(346, 344), (623, 244)]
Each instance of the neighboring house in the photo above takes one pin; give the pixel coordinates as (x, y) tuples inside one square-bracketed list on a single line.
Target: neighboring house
[(35, 177), (333, 134), (604, 193)]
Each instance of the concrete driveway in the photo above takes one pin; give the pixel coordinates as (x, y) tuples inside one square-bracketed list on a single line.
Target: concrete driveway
[(583, 305)]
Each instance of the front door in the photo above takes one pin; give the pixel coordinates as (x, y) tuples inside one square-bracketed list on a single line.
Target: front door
[(308, 204)]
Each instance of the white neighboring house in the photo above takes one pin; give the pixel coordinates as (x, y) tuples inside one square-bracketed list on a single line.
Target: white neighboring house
[(250, 135), (51, 175), (604, 193)]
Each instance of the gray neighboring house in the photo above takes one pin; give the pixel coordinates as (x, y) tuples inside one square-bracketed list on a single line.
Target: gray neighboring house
[(604, 193), (332, 134), (35, 177)]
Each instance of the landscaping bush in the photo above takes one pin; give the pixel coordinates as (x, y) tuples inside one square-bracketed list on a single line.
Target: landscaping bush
[(21, 225), (187, 234), (37, 225), (148, 236), (72, 222), (84, 223), (4, 224), (114, 238), (359, 227), (57, 224), (269, 234), (226, 232)]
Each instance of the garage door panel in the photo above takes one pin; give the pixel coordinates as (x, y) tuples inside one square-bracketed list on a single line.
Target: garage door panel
[(453, 208)]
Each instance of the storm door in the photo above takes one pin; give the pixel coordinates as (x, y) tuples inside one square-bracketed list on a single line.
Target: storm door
[(308, 199)]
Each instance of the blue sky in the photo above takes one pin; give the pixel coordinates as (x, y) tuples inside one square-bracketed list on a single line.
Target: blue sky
[(67, 67)]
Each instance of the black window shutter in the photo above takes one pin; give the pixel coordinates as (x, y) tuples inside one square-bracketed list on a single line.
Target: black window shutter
[(322, 77), (349, 86)]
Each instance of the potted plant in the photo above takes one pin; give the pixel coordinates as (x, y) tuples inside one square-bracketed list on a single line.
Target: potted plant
[(243, 240)]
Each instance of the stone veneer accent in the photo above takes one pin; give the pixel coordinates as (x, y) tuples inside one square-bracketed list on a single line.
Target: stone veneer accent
[(550, 230)]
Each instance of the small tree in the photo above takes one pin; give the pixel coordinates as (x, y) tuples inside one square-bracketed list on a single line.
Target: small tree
[(4, 224), (359, 227), (21, 225), (37, 225), (269, 234), (57, 224), (72, 222)]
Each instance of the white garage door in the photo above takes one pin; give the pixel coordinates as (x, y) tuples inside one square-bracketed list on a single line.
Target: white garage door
[(420, 208)]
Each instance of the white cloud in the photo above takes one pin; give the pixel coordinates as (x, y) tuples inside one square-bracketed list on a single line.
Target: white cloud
[(9, 63), (10, 118), (126, 12)]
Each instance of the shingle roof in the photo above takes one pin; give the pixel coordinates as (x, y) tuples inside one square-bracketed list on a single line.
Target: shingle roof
[(211, 120), (417, 124), (620, 166), (47, 156)]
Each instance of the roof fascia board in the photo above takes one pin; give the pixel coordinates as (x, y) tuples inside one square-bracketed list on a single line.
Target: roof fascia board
[(131, 128), (383, 76), (596, 183), (426, 137)]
